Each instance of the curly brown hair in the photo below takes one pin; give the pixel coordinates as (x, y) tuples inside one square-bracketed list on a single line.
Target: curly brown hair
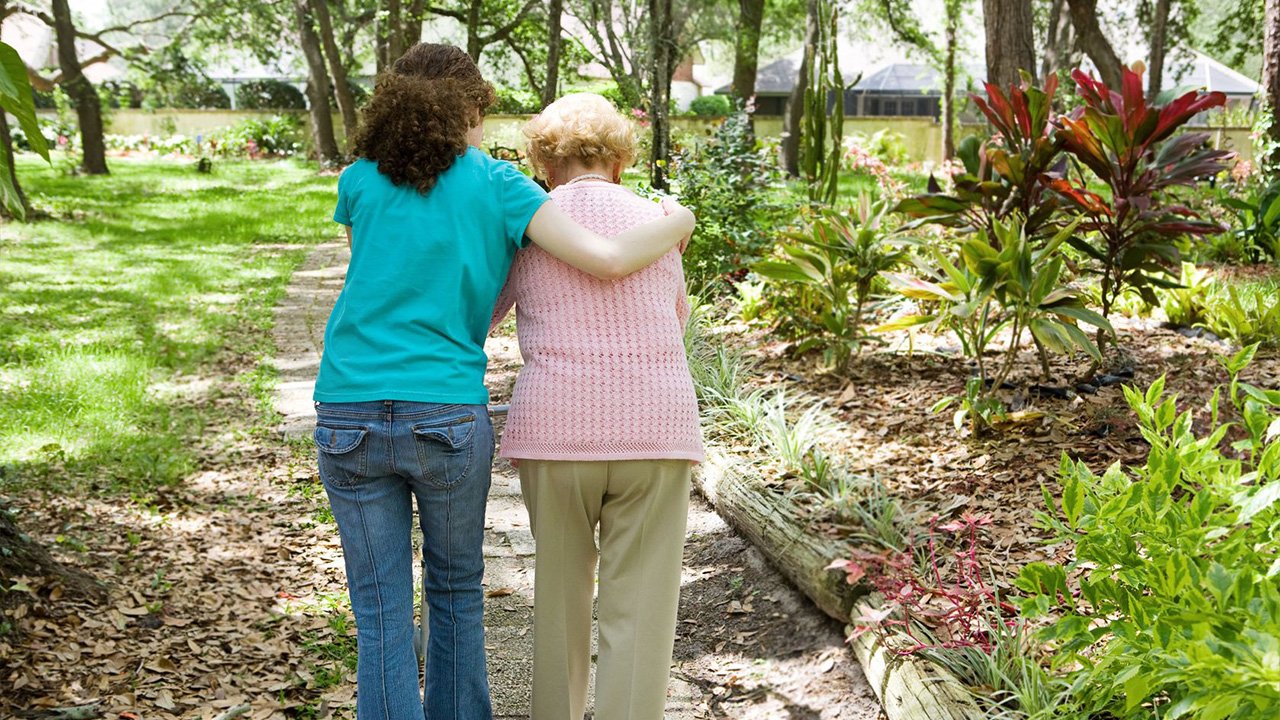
[(416, 123)]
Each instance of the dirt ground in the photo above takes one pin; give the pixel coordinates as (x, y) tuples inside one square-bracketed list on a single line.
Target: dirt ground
[(228, 589)]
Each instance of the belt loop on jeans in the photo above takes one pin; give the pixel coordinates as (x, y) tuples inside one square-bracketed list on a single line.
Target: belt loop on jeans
[(388, 404)]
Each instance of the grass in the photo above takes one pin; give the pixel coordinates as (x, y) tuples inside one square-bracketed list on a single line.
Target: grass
[(117, 308)]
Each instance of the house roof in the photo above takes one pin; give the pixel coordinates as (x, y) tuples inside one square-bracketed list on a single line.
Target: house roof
[(900, 75)]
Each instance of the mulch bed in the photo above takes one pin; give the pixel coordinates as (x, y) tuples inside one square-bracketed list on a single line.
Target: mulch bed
[(883, 399)]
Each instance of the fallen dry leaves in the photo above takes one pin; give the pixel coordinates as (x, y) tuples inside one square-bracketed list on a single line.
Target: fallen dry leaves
[(217, 587)]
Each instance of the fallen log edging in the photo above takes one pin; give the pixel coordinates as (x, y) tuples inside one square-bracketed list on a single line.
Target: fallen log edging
[(909, 688)]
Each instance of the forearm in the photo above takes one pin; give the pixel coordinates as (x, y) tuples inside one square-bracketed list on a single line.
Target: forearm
[(606, 258)]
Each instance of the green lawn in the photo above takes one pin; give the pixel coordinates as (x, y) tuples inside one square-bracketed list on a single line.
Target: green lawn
[(115, 309)]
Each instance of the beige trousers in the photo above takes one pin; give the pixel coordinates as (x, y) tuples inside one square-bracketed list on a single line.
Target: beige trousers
[(641, 507)]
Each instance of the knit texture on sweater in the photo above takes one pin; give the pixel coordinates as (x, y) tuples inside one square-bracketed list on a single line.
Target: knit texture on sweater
[(605, 374)]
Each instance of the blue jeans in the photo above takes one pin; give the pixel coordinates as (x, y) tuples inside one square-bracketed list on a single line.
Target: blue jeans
[(375, 457)]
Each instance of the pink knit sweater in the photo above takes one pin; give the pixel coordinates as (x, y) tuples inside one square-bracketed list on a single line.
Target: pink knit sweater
[(605, 374)]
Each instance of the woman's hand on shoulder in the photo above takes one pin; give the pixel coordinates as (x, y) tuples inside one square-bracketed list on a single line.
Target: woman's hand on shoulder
[(671, 206)]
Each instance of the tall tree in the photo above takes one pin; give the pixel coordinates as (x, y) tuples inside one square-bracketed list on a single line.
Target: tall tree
[(1271, 72), (337, 69), (954, 16), (551, 82), (83, 95), (662, 58), (486, 22), (317, 86), (793, 115), (1084, 17), (746, 47), (1060, 49), (1159, 34), (1010, 42)]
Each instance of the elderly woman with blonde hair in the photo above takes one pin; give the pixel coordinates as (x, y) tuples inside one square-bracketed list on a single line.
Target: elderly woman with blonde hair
[(604, 430)]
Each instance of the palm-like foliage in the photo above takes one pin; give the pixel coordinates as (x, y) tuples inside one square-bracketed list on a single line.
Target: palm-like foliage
[(1129, 144), (839, 255), (1007, 173)]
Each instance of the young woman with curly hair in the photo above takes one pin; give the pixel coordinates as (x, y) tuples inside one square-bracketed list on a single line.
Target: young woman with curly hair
[(604, 428), (434, 224)]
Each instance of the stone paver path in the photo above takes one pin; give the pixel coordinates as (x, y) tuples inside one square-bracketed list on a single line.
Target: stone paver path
[(774, 684)]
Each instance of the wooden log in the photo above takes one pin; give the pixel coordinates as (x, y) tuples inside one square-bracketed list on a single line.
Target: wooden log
[(909, 688), (778, 529)]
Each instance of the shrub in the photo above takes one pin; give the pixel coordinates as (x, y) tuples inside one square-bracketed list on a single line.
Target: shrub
[(839, 256), (726, 182), (1257, 220), (1188, 304), (1177, 566), (1246, 315), (1004, 282), (511, 101), (1005, 175), (712, 105), (274, 137), (1129, 145), (269, 95)]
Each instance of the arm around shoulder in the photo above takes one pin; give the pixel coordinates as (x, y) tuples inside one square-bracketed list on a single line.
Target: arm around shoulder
[(608, 258)]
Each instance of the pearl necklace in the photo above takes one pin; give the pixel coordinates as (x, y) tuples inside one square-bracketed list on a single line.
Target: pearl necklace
[(589, 176)]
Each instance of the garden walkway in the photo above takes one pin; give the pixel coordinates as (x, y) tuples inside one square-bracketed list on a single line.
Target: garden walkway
[(750, 646)]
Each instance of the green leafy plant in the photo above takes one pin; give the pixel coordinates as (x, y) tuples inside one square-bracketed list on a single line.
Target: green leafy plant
[(726, 180), (16, 100), (1246, 315), (1176, 563), (1257, 222), (1187, 305), (839, 256), (1006, 283), (1128, 144)]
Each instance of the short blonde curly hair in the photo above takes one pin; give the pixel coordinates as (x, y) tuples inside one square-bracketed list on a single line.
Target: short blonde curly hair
[(584, 127)]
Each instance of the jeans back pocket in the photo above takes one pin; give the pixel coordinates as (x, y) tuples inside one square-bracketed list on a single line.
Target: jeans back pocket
[(445, 449), (344, 453)]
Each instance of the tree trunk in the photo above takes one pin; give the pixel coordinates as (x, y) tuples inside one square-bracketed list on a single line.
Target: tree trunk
[(1159, 35), (551, 85), (1084, 17), (395, 31), (82, 92), (6, 140), (1060, 40), (949, 81), (1010, 45), (21, 556), (662, 61), (475, 44), (792, 119), (746, 48), (1271, 71), (317, 88), (341, 88)]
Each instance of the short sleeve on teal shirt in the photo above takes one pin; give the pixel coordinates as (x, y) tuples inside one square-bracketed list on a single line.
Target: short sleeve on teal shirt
[(425, 272), (340, 213), (521, 199)]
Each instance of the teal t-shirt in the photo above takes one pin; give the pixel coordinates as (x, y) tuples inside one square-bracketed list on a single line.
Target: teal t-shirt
[(425, 272)]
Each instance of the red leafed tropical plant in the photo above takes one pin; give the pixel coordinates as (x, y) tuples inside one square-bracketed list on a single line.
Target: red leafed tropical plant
[(1129, 144), (1005, 174)]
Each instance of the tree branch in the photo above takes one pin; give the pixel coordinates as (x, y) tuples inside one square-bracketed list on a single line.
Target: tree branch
[(501, 34)]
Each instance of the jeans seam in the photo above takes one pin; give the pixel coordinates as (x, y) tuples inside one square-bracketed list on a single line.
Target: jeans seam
[(377, 589), (448, 505)]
